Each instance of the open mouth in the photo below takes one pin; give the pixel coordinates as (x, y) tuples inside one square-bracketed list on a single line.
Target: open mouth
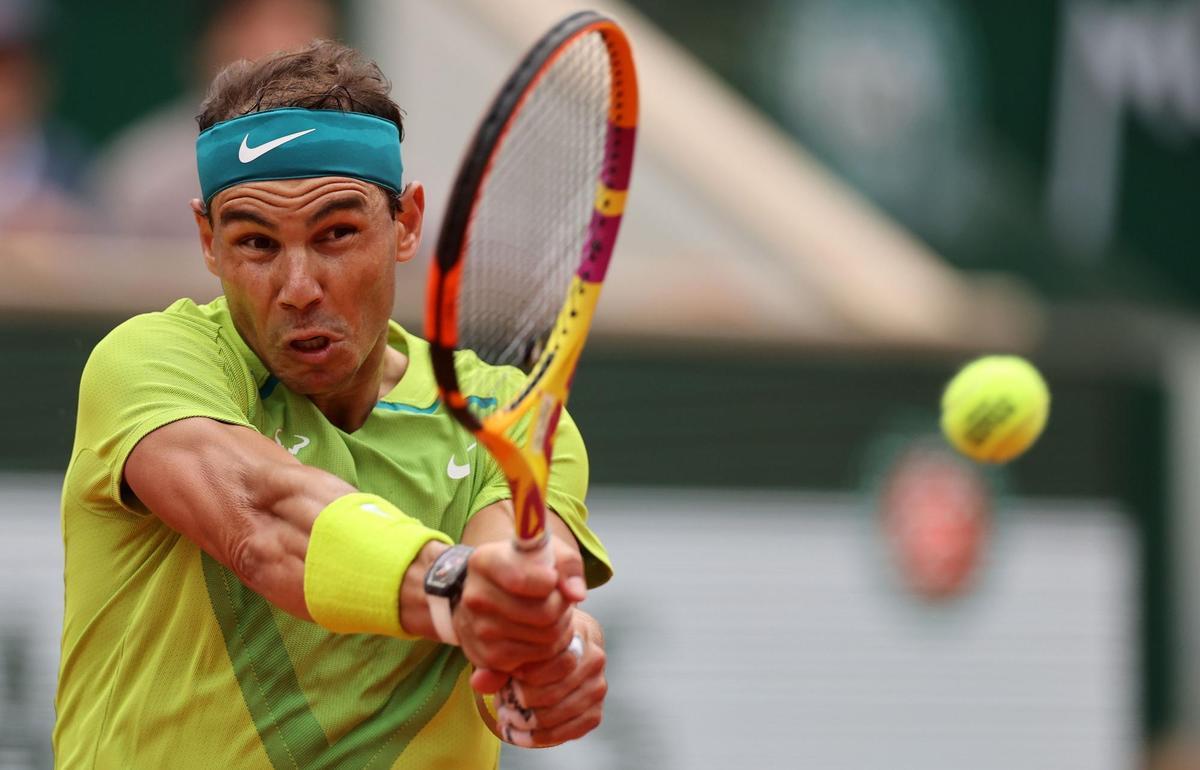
[(310, 344)]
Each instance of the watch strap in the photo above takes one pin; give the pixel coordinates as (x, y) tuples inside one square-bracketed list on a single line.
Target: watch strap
[(443, 587), (441, 613)]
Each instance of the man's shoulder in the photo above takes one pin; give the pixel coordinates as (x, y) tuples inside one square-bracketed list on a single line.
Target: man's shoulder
[(479, 378), (179, 355), (183, 317), (184, 330)]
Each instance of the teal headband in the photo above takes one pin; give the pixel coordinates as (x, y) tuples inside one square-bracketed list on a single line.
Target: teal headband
[(294, 143)]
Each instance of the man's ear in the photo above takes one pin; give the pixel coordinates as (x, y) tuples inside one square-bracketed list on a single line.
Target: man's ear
[(204, 225), (408, 221)]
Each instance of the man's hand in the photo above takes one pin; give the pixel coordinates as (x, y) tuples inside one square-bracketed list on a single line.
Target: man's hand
[(559, 699), (515, 610)]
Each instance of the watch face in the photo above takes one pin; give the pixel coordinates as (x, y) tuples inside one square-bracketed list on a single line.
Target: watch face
[(448, 569)]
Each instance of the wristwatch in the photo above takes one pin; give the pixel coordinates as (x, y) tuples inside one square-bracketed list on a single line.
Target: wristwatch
[(443, 588)]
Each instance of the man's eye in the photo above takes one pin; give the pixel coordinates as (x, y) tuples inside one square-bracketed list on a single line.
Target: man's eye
[(341, 231), (258, 242)]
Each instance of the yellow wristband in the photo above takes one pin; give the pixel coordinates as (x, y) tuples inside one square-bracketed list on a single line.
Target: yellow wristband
[(359, 549)]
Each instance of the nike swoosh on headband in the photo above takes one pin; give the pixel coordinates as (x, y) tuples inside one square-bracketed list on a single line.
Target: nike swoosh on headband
[(246, 153)]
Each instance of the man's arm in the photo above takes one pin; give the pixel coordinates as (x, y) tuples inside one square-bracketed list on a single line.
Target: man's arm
[(239, 496), (251, 505)]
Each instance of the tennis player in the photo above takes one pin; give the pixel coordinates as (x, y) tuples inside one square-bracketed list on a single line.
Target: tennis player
[(280, 550)]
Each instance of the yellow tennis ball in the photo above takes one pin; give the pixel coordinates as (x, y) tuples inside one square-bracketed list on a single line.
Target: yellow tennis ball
[(995, 408)]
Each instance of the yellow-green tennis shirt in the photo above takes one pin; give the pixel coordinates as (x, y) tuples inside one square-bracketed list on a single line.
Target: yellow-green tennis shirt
[(169, 661)]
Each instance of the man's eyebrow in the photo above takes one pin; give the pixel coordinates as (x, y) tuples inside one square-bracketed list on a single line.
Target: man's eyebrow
[(229, 216), (345, 203)]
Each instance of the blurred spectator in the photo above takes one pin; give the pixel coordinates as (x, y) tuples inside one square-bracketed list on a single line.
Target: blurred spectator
[(39, 162), (143, 182)]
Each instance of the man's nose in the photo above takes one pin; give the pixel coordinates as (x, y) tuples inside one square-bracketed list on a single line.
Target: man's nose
[(301, 282)]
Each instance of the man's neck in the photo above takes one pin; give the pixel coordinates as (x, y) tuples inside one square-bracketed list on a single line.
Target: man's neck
[(350, 409)]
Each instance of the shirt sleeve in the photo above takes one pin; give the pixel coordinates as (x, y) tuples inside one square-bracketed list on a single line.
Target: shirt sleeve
[(150, 371), (565, 495)]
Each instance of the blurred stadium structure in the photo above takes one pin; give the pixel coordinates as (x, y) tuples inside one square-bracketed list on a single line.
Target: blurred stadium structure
[(836, 202)]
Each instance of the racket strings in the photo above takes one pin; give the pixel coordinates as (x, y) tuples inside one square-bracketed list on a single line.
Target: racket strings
[(527, 234)]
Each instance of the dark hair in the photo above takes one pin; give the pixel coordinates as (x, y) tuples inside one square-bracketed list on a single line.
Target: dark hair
[(325, 75)]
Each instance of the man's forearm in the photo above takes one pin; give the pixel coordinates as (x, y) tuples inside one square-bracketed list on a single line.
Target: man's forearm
[(496, 523)]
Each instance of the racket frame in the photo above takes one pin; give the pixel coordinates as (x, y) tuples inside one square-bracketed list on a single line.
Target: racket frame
[(527, 465)]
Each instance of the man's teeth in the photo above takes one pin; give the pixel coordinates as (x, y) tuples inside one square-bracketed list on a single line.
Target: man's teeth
[(312, 343)]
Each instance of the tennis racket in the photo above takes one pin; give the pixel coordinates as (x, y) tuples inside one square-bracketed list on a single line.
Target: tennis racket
[(526, 243)]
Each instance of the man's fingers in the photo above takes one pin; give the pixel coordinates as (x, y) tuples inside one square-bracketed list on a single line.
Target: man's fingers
[(558, 691), (540, 738), (547, 672), (569, 565), (575, 727), (514, 572), (486, 681), (576, 714), (490, 629), (506, 647), (590, 693), (486, 598), (495, 644), (573, 587), (503, 655)]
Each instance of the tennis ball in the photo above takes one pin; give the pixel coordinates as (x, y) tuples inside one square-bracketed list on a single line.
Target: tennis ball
[(995, 408)]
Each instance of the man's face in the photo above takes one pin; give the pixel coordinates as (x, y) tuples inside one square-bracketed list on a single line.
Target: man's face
[(308, 269)]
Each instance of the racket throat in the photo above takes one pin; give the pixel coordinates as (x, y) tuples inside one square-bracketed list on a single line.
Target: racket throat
[(529, 507)]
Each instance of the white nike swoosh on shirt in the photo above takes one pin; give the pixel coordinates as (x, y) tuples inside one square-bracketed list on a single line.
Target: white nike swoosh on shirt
[(246, 153), (456, 471)]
